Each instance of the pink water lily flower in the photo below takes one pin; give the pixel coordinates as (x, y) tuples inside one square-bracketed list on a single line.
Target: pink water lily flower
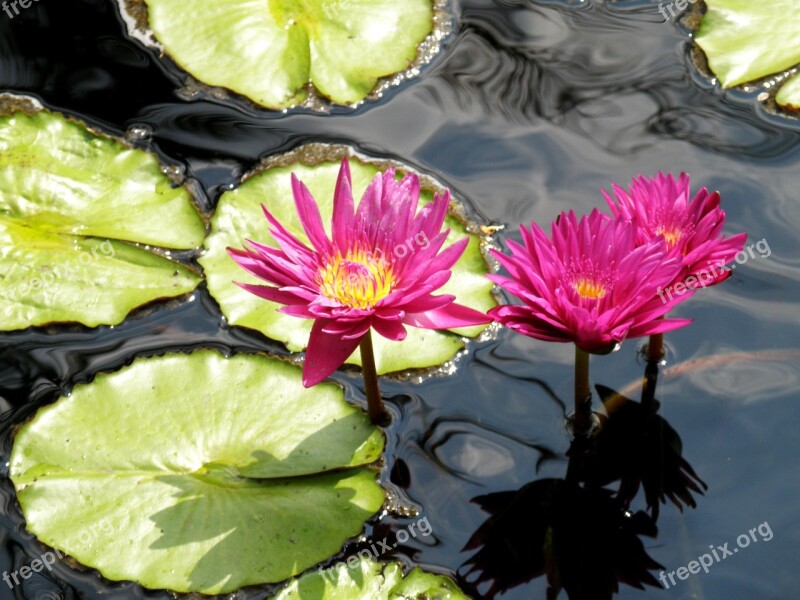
[(589, 283), (378, 270), (692, 228)]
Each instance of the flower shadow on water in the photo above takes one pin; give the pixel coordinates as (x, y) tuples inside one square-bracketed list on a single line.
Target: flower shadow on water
[(639, 448), (576, 531), (581, 538)]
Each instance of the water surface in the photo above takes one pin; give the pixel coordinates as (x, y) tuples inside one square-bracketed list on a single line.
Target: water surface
[(530, 110)]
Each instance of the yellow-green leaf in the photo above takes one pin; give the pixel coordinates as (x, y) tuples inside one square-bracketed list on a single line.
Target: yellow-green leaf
[(72, 205), (198, 473), (269, 50)]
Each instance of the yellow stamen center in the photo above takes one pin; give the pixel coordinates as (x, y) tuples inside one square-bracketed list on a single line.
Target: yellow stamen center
[(588, 288), (671, 235), (357, 280)]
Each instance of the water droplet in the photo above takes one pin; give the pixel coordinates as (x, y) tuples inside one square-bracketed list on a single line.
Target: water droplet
[(174, 170), (138, 134)]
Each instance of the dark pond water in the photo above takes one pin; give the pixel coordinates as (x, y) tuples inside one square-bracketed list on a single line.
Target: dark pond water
[(531, 109)]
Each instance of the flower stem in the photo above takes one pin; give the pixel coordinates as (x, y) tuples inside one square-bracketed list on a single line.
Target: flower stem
[(649, 382), (655, 348), (654, 352), (374, 402), (583, 398)]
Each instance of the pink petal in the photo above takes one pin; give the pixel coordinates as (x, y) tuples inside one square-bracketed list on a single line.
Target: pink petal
[(448, 257), (527, 322), (343, 208), (357, 330), (281, 234), (260, 268), (297, 310), (325, 354), (427, 303), (392, 329), (658, 326), (270, 293), (449, 317), (338, 327), (308, 211), (369, 205)]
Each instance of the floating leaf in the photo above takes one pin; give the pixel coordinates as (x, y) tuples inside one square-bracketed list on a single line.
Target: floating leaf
[(239, 218), (69, 199), (270, 50), (789, 95), (747, 40), (198, 473), (370, 580)]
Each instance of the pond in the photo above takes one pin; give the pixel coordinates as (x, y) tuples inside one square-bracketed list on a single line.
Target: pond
[(530, 109)]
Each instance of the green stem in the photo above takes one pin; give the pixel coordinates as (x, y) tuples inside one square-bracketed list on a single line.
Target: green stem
[(374, 402), (583, 404)]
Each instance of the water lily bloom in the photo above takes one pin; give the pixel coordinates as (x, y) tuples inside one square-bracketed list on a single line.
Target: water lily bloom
[(692, 229), (589, 283), (378, 269)]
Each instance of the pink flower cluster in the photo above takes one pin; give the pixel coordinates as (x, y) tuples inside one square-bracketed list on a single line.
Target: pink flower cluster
[(597, 280)]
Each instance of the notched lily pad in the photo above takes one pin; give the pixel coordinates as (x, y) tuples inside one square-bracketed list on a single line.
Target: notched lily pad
[(746, 41), (370, 580), (275, 51), (198, 473), (71, 203), (239, 218)]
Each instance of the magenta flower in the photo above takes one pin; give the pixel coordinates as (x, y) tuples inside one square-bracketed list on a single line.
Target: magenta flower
[(378, 270), (589, 283), (691, 229)]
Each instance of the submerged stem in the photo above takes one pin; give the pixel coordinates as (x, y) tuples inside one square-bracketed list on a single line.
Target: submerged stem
[(374, 402)]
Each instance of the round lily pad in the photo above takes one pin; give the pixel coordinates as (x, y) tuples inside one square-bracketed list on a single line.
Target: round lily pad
[(270, 50), (71, 204), (239, 217), (198, 473), (370, 580), (746, 40)]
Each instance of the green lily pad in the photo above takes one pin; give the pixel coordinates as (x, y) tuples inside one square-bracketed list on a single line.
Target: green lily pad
[(198, 473), (746, 40), (789, 94), (69, 200), (239, 218), (269, 50), (370, 580)]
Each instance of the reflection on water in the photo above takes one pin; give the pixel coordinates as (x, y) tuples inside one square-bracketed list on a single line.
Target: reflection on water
[(531, 109), (638, 448), (580, 539), (577, 532)]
